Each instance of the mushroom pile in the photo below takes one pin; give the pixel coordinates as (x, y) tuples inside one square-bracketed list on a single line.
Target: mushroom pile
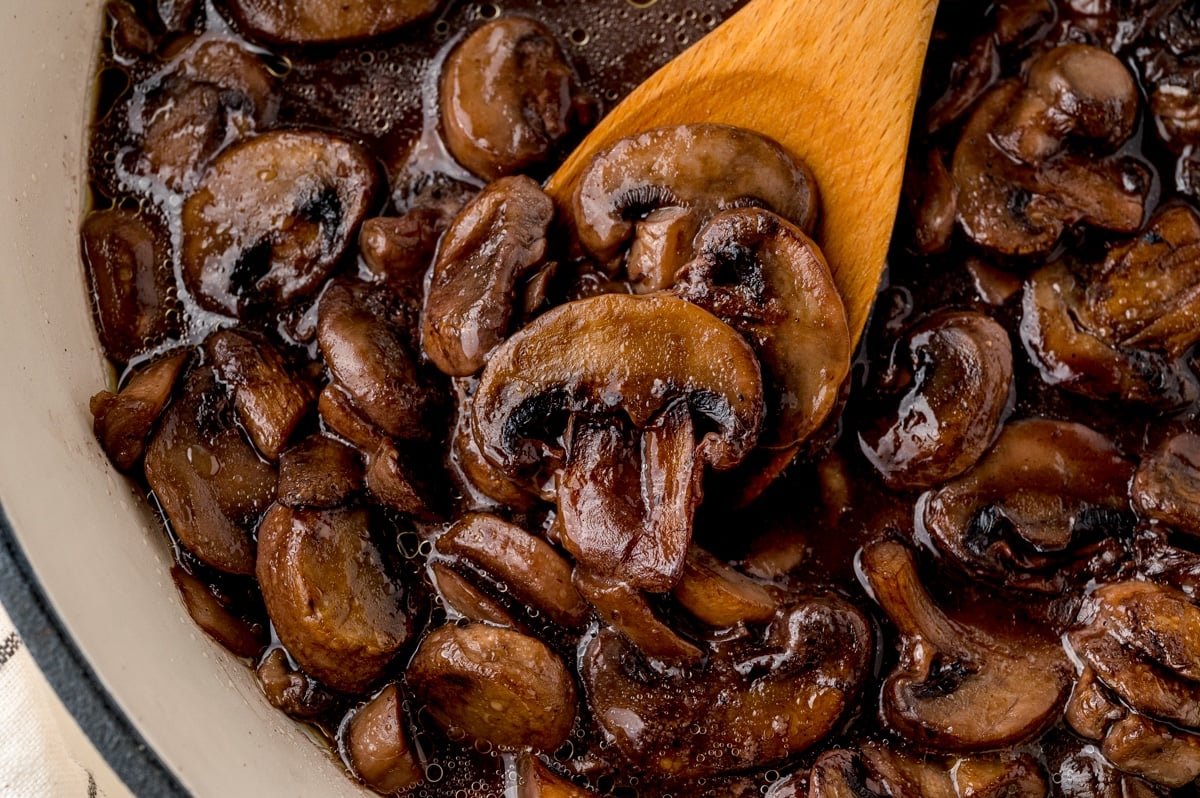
[(596, 497)]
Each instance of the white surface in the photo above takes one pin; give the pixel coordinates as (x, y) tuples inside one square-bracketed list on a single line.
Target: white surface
[(96, 550)]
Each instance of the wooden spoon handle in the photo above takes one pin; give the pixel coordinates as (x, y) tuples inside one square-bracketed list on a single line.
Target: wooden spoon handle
[(834, 81)]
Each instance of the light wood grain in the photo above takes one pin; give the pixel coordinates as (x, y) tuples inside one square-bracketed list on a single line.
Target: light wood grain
[(834, 81)]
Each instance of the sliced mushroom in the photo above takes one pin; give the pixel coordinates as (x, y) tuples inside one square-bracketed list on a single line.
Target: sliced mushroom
[(491, 253), (689, 173), (209, 481), (131, 37), (494, 685), (1166, 487), (1046, 493), (270, 401), (932, 201), (292, 691), (325, 21), (535, 780), (531, 569), (1082, 772), (465, 598), (272, 217), (333, 602), (398, 249), (1090, 710), (1034, 158), (375, 739), (394, 481), (366, 343), (1160, 622), (583, 368), (509, 98), (754, 702), (176, 14), (483, 482), (320, 471), (766, 278), (876, 770), (123, 421), (955, 369), (213, 93), (627, 610), (944, 691), (719, 595), (343, 418), (215, 614), (1152, 750), (131, 282), (1117, 330)]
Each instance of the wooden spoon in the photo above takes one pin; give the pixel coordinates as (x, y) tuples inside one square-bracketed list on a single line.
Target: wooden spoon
[(834, 81)]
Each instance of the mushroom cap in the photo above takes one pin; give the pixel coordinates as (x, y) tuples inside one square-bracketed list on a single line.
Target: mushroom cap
[(325, 21), (618, 353)]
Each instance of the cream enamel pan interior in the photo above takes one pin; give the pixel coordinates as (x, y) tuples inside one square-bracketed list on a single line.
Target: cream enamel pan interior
[(96, 551)]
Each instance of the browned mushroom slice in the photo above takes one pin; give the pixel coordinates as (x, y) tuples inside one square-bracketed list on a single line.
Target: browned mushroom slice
[(397, 249), (343, 418), (393, 480), (1090, 711), (208, 479), (764, 277), (719, 595), (131, 282), (754, 703), (486, 258), (1032, 505), (465, 598), (943, 692), (272, 217), (626, 501), (509, 99), (958, 377), (530, 568), (211, 613), (292, 691), (694, 171), (535, 780), (270, 401), (1159, 622), (363, 337), (176, 14), (329, 594), (1166, 486), (627, 610), (481, 480), (932, 201), (214, 92), (320, 471), (1026, 166), (584, 367), (131, 37), (876, 770), (1152, 750), (494, 685), (1082, 772), (325, 21), (123, 421), (375, 740)]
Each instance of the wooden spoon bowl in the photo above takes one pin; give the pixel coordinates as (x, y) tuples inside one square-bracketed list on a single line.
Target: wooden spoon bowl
[(833, 81)]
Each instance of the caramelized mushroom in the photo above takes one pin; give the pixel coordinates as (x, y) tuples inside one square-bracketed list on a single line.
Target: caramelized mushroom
[(1027, 165), (272, 217), (1040, 498), (531, 569), (214, 614), (765, 278), (659, 188), (123, 421), (325, 21), (1119, 331), (875, 770), (290, 690), (320, 471), (943, 691), (956, 371), (375, 739), (627, 610), (584, 368), (464, 597), (343, 418), (493, 250), (270, 401), (208, 479), (494, 685), (398, 249), (363, 337), (332, 600), (1082, 772), (753, 703), (510, 101), (393, 480), (1166, 486), (131, 282), (1154, 751), (719, 595)]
